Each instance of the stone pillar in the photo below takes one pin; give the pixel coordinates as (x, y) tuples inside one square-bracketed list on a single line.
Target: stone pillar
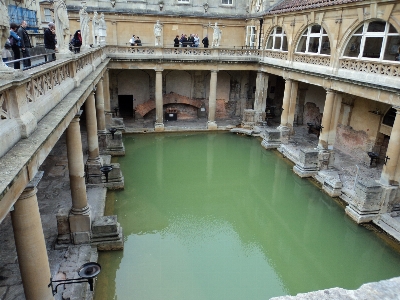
[(30, 244), (392, 153), (261, 92), (302, 92), (106, 94), (326, 119), (212, 101), (79, 217), (335, 119), (91, 127), (292, 104), (159, 126), (285, 104), (101, 120)]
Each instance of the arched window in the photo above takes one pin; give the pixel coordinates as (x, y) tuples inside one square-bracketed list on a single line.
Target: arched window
[(277, 40), (314, 40), (376, 40)]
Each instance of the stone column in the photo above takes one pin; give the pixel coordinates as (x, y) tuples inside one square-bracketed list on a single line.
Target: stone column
[(335, 119), (212, 101), (392, 153), (91, 127), (106, 94), (286, 103), (101, 120), (326, 119), (292, 104), (159, 126), (79, 217), (30, 244), (261, 92)]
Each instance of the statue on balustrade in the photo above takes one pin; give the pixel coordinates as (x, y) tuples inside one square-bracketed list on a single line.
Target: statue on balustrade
[(102, 30), (62, 26), (216, 35), (84, 20), (95, 29), (158, 33)]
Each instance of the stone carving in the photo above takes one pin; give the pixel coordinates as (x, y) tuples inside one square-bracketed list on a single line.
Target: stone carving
[(216, 35), (95, 29), (102, 30), (84, 20), (158, 33), (62, 26)]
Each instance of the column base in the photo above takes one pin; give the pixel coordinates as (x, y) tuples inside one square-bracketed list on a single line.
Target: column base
[(80, 225), (358, 217), (92, 169), (211, 125), (271, 138), (159, 127)]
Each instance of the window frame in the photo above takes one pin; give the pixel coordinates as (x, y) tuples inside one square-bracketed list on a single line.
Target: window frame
[(183, 1), (365, 34), (230, 2), (251, 31), (47, 17), (320, 35), (275, 35)]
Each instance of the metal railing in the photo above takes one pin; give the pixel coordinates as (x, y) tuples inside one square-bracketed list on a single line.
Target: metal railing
[(49, 56)]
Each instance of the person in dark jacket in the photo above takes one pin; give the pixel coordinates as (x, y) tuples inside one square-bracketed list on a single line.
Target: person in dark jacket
[(50, 40), (205, 41), (138, 41), (15, 46), (25, 43), (176, 41), (184, 41), (77, 41)]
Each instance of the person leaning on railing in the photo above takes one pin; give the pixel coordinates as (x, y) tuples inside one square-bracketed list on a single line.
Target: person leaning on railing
[(15, 42)]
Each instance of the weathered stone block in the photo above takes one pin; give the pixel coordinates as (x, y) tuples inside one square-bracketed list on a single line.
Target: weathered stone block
[(81, 238), (105, 224), (79, 223), (271, 138), (368, 196), (63, 222), (307, 164)]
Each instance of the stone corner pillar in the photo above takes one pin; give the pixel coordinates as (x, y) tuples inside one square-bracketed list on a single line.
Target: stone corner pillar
[(212, 101), (159, 125), (30, 243), (326, 120)]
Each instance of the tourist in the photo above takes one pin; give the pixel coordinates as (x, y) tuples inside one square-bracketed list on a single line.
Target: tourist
[(176, 41), (25, 43), (184, 41), (50, 40), (138, 42), (191, 40), (196, 40), (6, 53), (132, 40), (15, 42), (77, 41), (205, 41)]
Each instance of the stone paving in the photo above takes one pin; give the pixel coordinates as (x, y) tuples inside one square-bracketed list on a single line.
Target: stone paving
[(53, 195)]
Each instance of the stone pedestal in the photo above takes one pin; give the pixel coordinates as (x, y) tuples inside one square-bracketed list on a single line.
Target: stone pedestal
[(159, 127), (252, 117), (92, 169), (390, 199), (271, 138), (285, 133), (212, 125), (308, 163), (80, 227), (114, 145), (115, 178), (367, 202), (326, 158), (107, 234), (117, 123)]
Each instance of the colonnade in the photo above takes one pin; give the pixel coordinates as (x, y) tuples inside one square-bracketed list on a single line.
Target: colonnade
[(390, 176), (28, 231)]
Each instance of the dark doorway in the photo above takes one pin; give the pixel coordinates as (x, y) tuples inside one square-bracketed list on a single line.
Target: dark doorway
[(125, 104)]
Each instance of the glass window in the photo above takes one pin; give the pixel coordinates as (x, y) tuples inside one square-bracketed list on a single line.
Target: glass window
[(314, 40), (376, 40), (183, 1), (277, 40), (227, 1), (47, 15), (251, 36)]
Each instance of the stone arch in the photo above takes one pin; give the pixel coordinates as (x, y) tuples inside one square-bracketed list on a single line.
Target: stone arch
[(179, 82), (136, 83), (300, 32)]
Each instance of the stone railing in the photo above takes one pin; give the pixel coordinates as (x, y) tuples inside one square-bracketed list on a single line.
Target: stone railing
[(314, 59), (33, 93), (276, 54), (371, 67), (183, 53)]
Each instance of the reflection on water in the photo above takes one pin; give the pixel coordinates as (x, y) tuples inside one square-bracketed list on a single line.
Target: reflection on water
[(216, 216)]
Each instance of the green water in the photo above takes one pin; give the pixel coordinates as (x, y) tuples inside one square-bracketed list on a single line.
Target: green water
[(216, 216)]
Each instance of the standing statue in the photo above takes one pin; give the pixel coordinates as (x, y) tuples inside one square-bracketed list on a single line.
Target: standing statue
[(216, 35), (84, 20), (158, 33), (95, 29), (62, 26), (102, 30)]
